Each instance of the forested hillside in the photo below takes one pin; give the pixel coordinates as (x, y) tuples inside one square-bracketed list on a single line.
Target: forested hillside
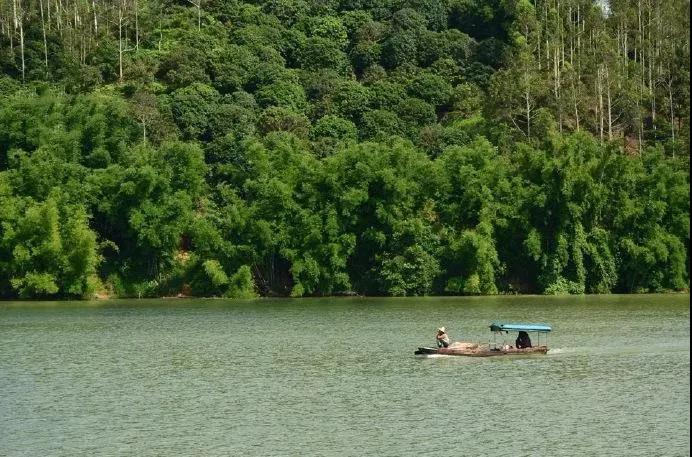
[(313, 147)]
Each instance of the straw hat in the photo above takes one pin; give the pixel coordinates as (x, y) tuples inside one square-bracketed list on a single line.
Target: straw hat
[(442, 330)]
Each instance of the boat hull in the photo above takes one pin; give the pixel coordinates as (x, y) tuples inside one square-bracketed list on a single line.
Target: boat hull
[(481, 351)]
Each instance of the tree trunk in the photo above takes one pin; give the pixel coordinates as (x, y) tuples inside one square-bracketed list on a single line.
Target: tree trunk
[(578, 31), (652, 91), (640, 124), (672, 111), (610, 111), (528, 113), (575, 98), (21, 46), (599, 91), (136, 26), (120, 44), (624, 56), (160, 27), (11, 35), (58, 12), (45, 41), (18, 14), (96, 23), (571, 37), (556, 86)]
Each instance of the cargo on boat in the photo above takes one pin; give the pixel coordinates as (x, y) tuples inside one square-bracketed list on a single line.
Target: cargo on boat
[(522, 345)]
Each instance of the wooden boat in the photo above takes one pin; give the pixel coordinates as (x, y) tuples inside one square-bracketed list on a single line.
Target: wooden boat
[(494, 349)]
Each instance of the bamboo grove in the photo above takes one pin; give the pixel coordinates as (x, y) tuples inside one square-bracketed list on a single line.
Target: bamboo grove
[(316, 147)]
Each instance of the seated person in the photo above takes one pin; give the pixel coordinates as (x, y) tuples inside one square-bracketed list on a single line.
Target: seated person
[(442, 337), (523, 340)]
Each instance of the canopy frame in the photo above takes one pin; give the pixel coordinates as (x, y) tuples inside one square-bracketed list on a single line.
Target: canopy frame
[(497, 327), (518, 327)]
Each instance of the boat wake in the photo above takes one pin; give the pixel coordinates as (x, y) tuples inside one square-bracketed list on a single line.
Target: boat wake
[(571, 350), (609, 350)]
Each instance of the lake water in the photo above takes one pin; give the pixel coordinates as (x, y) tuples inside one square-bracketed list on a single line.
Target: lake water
[(337, 377)]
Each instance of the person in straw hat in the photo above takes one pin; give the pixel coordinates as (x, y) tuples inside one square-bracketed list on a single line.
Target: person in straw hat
[(442, 337)]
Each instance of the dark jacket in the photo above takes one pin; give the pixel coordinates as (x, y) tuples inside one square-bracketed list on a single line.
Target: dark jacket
[(523, 340)]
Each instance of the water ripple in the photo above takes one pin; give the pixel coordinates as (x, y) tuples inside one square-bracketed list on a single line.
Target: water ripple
[(338, 378)]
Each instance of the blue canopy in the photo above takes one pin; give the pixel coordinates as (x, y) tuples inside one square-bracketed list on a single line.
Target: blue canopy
[(501, 327)]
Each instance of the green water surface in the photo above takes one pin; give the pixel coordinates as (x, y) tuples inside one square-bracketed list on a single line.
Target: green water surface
[(337, 377)]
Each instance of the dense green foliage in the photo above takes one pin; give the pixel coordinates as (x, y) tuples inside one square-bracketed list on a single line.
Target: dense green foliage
[(307, 147)]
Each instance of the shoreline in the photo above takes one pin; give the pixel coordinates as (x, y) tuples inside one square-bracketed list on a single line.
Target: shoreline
[(102, 298)]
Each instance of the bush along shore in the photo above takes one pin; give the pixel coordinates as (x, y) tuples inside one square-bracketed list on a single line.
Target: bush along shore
[(226, 148)]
